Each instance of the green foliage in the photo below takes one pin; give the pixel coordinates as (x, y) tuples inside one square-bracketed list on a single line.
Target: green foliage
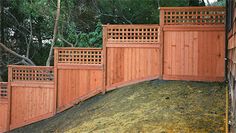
[(80, 22), (83, 39), (128, 11), (91, 39), (219, 3)]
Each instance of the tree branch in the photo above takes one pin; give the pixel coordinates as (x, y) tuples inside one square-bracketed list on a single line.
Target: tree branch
[(64, 40), (208, 3), (17, 55)]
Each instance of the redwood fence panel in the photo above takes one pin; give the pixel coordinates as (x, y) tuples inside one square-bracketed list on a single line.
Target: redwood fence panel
[(32, 94), (194, 43), (132, 52), (79, 75), (3, 107)]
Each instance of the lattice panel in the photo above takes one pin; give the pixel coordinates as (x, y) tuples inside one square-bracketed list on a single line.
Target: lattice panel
[(3, 90), (194, 16), (32, 73), (80, 56), (133, 34)]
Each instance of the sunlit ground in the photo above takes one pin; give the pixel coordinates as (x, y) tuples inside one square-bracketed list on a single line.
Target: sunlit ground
[(156, 106)]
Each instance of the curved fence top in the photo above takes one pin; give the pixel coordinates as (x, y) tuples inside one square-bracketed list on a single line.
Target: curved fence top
[(31, 73), (132, 33), (192, 15)]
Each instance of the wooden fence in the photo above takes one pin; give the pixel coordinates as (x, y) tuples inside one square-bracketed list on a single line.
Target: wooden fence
[(79, 75), (187, 45), (194, 43), (132, 54), (3, 107), (31, 94)]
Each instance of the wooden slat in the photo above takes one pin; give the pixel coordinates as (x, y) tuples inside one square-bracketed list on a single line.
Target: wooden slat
[(193, 53), (4, 107)]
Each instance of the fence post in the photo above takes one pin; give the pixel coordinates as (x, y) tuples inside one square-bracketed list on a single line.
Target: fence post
[(161, 32), (55, 79), (104, 34), (162, 18), (9, 96)]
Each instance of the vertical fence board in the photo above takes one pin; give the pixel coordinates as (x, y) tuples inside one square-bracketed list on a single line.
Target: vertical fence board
[(133, 54), (4, 106), (194, 54), (32, 94), (80, 75)]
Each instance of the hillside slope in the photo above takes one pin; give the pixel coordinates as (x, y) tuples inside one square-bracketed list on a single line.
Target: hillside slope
[(154, 106)]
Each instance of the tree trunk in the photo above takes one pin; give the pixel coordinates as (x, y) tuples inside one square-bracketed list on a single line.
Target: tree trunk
[(2, 22), (208, 3), (54, 33), (2, 31)]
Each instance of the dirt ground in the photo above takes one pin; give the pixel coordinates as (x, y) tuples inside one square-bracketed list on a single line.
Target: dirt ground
[(154, 106)]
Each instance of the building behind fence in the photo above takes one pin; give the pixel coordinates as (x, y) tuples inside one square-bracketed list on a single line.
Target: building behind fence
[(187, 45)]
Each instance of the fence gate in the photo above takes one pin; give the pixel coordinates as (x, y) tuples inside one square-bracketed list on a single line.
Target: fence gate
[(194, 43), (79, 74), (133, 54), (31, 93)]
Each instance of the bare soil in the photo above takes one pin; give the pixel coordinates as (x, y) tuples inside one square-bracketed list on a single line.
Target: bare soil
[(154, 106)]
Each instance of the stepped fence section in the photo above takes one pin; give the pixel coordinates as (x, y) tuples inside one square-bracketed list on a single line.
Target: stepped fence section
[(187, 45), (79, 75), (32, 95), (194, 43), (132, 52)]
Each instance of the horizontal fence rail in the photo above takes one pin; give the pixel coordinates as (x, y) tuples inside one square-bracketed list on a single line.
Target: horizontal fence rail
[(3, 90), (32, 73), (79, 56), (32, 94), (79, 73), (133, 33), (192, 15)]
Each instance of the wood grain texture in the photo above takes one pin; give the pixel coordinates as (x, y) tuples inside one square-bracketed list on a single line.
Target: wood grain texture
[(30, 104), (74, 84), (3, 115), (80, 75), (31, 94), (131, 64), (194, 54)]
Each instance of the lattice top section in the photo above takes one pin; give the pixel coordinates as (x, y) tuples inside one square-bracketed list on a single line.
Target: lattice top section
[(79, 56), (193, 15), (133, 33), (3, 89), (32, 73)]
